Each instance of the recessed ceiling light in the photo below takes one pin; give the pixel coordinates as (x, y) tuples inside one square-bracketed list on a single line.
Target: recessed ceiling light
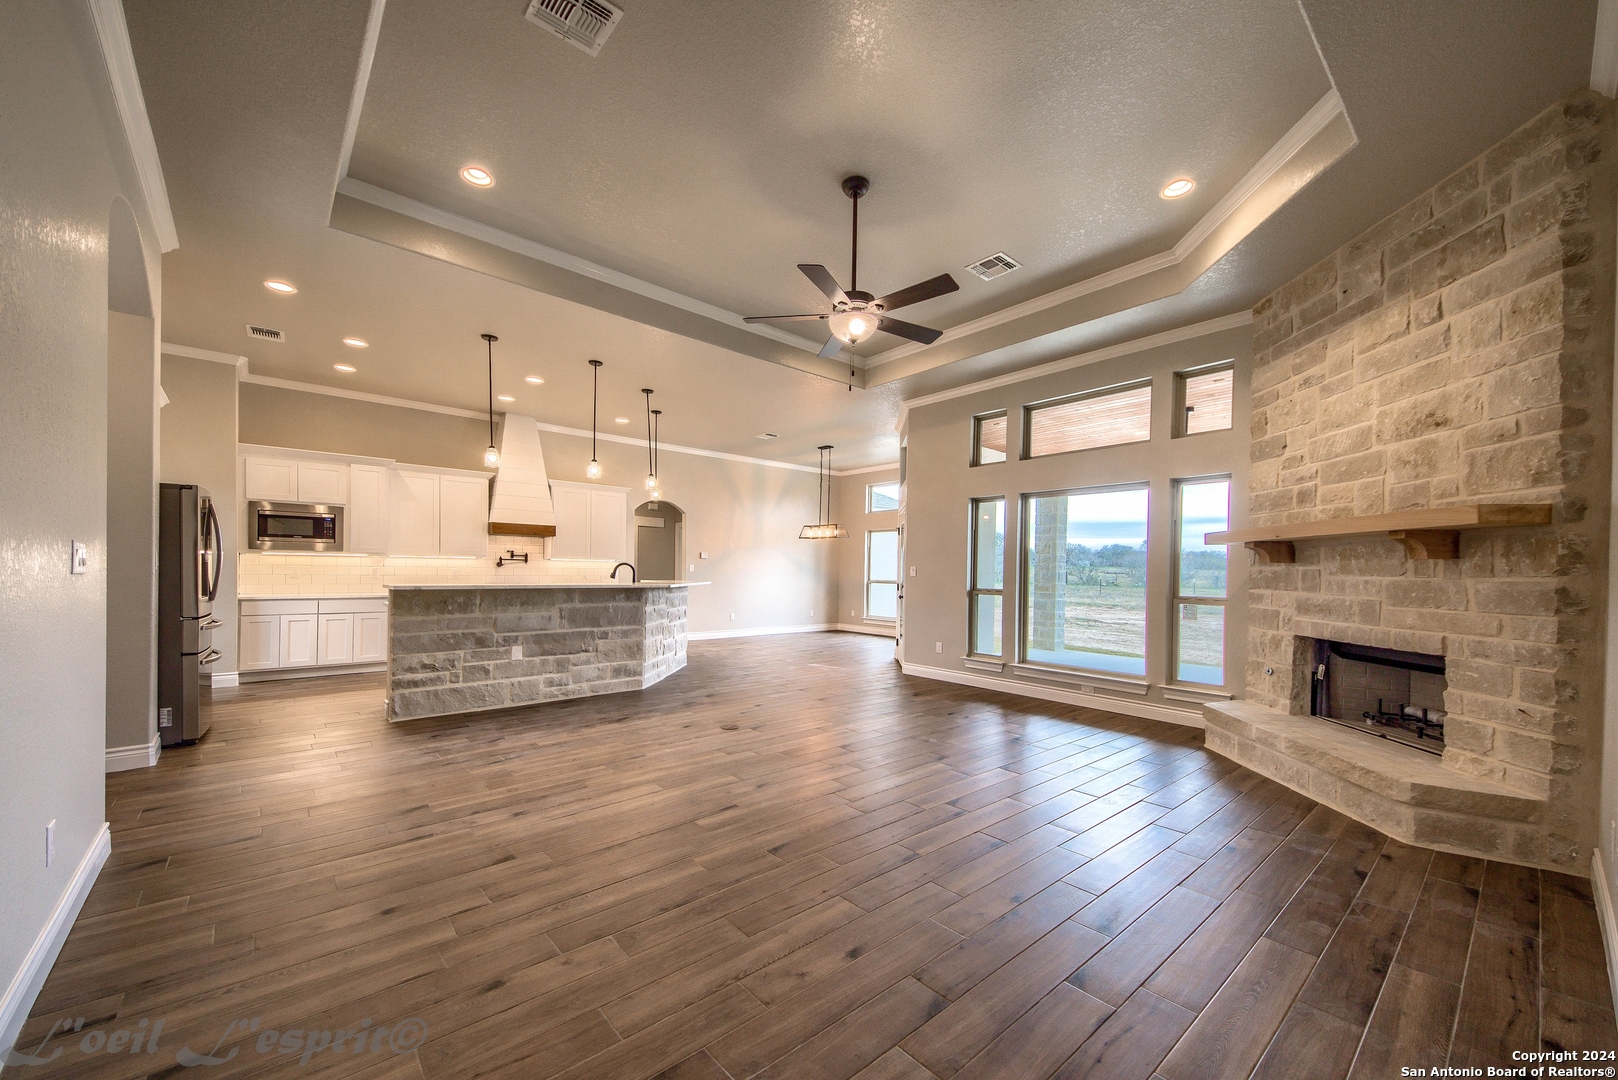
[(285, 288), (620, 419), (345, 367), (504, 397), (1175, 188), (477, 177), (535, 379), (356, 343)]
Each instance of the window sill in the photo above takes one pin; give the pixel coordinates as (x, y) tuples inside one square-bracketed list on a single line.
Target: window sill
[(978, 663), (1095, 682), (1195, 695)]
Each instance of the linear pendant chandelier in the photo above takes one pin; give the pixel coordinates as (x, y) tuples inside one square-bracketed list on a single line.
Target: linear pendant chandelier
[(824, 529)]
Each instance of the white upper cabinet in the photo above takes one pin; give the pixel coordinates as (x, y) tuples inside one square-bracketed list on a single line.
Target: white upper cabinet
[(463, 527), (367, 521), (591, 521), (413, 524), (272, 479), (323, 482)]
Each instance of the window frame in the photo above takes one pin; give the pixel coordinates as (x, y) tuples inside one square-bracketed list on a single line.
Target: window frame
[(977, 437), (973, 589), (1176, 598), (898, 497), (1025, 519), (1180, 418), (869, 580), (1028, 411)]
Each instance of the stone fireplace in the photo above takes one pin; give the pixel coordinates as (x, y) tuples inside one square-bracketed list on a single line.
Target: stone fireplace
[(1444, 360)]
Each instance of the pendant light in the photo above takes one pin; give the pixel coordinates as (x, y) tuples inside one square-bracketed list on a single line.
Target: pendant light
[(657, 488), (824, 529), (491, 456), (593, 470), (651, 462)]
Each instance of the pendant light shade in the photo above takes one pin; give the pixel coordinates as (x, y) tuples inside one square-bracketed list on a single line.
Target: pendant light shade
[(593, 470), (491, 456), (824, 529)]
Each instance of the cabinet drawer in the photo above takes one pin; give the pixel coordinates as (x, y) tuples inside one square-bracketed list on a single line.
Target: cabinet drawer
[(279, 607), (353, 606)]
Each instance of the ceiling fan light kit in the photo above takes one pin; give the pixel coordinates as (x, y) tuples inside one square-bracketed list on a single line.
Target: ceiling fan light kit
[(855, 316)]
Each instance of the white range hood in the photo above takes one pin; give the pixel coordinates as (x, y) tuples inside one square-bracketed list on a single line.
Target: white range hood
[(522, 492)]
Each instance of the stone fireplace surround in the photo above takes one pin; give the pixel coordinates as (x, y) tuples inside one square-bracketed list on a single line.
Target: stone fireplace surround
[(1450, 354)]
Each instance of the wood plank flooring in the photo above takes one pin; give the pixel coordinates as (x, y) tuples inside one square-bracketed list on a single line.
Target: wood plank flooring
[(787, 861)]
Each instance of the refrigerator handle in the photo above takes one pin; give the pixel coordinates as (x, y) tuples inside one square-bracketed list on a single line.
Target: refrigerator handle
[(218, 546)]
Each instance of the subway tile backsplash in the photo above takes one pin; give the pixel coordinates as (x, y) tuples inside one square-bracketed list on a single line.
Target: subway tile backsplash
[(262, 573)]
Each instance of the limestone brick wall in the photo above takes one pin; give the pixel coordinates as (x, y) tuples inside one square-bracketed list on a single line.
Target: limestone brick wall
[(1459, 351)]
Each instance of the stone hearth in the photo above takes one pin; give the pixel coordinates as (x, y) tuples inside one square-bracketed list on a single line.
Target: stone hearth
[(1448, 355)]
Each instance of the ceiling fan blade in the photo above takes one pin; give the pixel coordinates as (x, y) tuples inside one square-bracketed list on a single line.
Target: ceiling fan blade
[(923, 334), (832, 347), (915, 294), (777, 318), (824, 282)]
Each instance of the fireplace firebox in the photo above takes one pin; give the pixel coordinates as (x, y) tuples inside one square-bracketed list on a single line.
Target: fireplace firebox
[(1388, 693)]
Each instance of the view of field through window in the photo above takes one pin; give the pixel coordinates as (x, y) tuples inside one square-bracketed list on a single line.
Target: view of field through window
[(1085, 564), (1200, 576)]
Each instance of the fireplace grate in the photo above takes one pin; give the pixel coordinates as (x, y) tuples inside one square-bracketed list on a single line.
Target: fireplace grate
[(1388, 693)]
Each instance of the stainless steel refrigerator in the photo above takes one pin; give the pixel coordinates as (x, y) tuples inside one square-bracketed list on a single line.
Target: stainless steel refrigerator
[(190, 554)]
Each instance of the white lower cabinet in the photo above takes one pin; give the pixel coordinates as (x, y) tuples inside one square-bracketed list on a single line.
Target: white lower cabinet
[(280, 634)]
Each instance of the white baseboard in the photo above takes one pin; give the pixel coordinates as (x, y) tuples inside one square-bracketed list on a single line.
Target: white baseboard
[(25, 984), (876, 629), (1609, 923), (758, 631), (273, 674), (135, 756), (223, 678), (1145, 709)]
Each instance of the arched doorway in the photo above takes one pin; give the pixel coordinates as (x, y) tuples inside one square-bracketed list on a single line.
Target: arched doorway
[(659, 541)]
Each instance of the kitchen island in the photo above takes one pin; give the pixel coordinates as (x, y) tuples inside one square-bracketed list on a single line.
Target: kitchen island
[(471, 648)]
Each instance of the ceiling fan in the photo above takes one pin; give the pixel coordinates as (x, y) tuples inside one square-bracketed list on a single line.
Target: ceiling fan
[(856, 315)]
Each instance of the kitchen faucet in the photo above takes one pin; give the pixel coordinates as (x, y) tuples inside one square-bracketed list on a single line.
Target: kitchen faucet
[(633, 576)]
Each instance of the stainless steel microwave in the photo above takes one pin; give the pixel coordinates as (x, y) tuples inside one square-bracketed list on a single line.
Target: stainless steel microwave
[(280, 526)]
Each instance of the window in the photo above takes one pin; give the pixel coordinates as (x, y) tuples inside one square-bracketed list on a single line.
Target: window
[(1204, 399), (882, 574), (989, 438), (1107, 417), (1084, 580), (879, 497), (986, 578), (1201, 506)]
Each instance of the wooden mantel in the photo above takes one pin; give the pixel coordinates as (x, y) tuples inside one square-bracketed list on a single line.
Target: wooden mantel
[(1425, 534)]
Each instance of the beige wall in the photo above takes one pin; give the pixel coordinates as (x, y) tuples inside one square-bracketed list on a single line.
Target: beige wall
[(939, 483), (848, 509), (745, 516), (65, 164), (132, 463), (199, 447)]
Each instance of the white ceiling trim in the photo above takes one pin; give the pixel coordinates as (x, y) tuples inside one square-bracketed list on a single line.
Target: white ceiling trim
[(1604, 57), (1167, 337), (362, 80), (1322, 113), (449, 410), (113, 34), (204, 354), (421, 211), (889, 467)]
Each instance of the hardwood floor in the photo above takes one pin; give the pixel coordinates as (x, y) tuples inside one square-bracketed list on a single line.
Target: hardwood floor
[(788, 861)]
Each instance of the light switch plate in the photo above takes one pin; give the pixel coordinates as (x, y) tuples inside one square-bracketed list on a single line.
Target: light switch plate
[(81, 558), (912, 571), (938, 646), (702, 555)]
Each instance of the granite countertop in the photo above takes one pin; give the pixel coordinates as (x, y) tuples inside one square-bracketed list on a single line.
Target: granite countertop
[(562, 585)]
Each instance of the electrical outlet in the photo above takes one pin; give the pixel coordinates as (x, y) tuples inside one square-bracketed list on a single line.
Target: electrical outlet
[(732, 616), (81, 558), (811, 613), (516, 652), (50, 842), (938, 646), (693, 566)]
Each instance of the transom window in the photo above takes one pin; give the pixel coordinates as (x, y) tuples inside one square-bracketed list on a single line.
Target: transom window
[(1205, 399), (879, 497), (1109, 417), (989, 438), (986, 584), (882, 574)]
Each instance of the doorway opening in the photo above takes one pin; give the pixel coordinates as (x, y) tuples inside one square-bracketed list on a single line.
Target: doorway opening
[(659, 541)]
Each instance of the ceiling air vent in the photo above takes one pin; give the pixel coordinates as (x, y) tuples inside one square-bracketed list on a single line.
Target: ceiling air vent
[(766, 435), (585, 23), (264, 333), (995, 265)]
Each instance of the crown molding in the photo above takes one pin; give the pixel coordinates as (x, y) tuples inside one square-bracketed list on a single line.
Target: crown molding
[(1604, 57), (1125, 348), (112, 32), (204, 354), (1321, 115)]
